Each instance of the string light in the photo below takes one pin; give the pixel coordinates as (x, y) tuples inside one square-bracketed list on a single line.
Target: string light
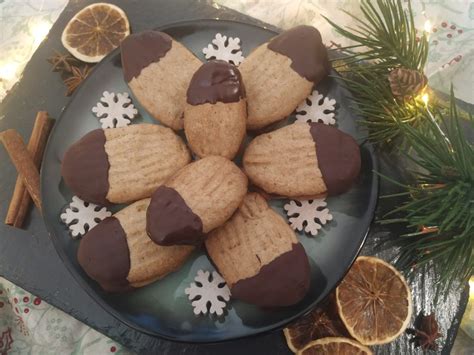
[(428, 26), (425, 98)]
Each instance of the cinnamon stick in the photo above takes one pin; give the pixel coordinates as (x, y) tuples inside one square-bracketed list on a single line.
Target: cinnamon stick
[(20, 201), (23, 162)]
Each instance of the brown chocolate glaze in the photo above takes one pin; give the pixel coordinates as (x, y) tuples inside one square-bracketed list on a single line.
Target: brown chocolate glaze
[(282, 282), (215, 81), (169, 220), (141, 49), (85, 168), (104, 255), (338, 157), (304, 46)]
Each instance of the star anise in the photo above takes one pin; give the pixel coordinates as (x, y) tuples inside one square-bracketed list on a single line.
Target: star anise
[(76, 78), (62, 62), (426, 332), (322, 322)]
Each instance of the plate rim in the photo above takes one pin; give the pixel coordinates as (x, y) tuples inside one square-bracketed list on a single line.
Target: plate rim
[(115, 313)]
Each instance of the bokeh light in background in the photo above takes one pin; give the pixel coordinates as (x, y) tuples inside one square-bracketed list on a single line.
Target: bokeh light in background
[(39, 30), (23, 26), (10, 67)]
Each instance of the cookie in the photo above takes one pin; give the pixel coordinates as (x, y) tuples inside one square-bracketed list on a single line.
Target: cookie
[(303, 160), (259, 256), (158, 70), (118, 254), (123, 164), (216, 110), (280, 74), (199, 198)]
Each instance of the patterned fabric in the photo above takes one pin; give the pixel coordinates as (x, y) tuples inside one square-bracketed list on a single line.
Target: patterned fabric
[(451, 55), (28, 325)]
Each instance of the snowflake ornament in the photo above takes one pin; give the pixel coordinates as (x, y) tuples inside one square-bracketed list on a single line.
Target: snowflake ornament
[(115, 110), (316, 109), (309, 215), (224, 48), (81, 216), (209, 293)]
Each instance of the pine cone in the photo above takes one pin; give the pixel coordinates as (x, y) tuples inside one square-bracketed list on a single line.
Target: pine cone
[(406, 83)]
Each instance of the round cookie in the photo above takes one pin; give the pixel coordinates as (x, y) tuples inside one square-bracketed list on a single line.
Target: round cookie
[(303, 160), (158, 69), (280, 74), (118, 254), (259, 256), (199, 198), (123, 164), (216, 110)]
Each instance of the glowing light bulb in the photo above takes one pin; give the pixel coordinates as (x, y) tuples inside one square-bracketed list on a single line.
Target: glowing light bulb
[(428, 26), (471, 287), (39, 31), (8, 71), (425, 98)]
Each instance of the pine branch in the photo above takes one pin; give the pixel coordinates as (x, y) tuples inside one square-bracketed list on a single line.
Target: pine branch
[(442, 199), (386, 36), (385, 39), (373, 101)]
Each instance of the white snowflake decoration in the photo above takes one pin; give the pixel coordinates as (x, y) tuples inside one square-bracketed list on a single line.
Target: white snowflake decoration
[(115, 110), (81, 216), (224, 49), (309, 215), (315, 109), (208, 294)]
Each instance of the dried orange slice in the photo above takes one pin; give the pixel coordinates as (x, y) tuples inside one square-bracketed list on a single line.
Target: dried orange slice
[(95, 31), (333, 346), (374, 301), (320, 323)]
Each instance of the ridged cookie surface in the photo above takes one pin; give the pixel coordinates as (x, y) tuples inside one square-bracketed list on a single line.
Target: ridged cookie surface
[(118, 254), (259, 256), (158, 70), (199, 198), (123, 164), (303, 160), (215, 114), (280, 74)]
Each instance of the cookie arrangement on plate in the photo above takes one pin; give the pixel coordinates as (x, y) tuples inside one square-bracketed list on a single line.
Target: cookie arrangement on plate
[(176, 204)]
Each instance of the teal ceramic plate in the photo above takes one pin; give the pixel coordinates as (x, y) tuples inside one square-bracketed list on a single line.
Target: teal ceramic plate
[(162, 309)]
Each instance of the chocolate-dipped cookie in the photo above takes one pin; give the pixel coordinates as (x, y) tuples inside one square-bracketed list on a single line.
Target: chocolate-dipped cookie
[(303, 160), (123, 164), (118, 254), (280, 74), (158, 69), (215, 113), (199, 198), (259, 256)]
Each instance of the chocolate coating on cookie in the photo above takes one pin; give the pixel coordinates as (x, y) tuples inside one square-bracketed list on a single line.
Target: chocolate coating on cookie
[(215, 81), (304, 46), (170, 221), (105, 257), (282, 282), (141, 49), (85, 168), (338, 157)]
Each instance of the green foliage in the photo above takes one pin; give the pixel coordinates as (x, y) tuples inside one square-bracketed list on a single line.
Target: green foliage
[(439, 207), (442, 200), (386, 39), (386, 36)]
